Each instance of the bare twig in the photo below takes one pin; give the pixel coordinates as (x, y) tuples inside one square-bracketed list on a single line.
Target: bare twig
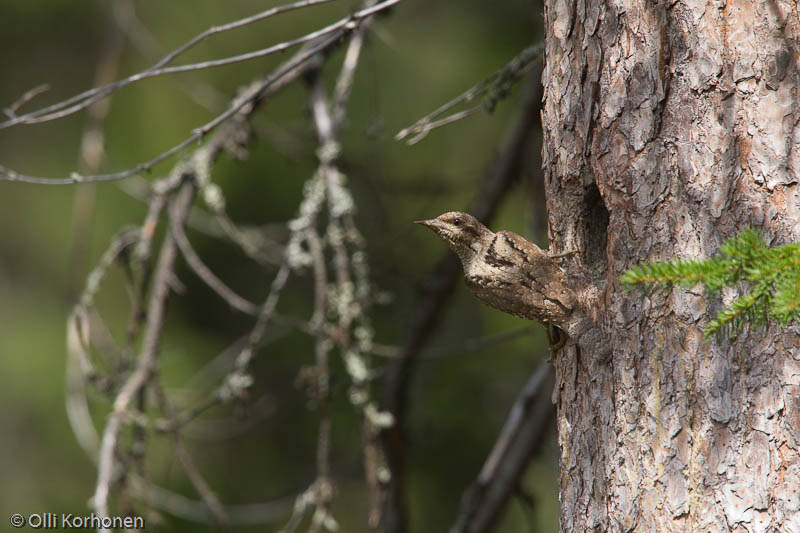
[(132, 390), (344, 82), (79, 364), (256, 248), (197, 511), (252, 95), (86, 98), (83, 427), (327, 184), (253, 241), (145, 42), (218, 429), (437, 288), (265, 314), (215, 507), (146, 363), (208, 277), (167, 500), (302, 503), (187, 179), (92, 147), (323, 483), (199, 133), (427, 125), (350, 297), (178, 420), (527, 424), (30, 94), (493, 88), (376, 471), (140, 270)]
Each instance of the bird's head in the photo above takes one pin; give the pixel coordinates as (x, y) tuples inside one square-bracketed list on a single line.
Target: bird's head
[(462, 232)]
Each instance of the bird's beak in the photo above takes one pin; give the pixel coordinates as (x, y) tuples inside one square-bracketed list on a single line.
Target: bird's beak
[(432, 224)]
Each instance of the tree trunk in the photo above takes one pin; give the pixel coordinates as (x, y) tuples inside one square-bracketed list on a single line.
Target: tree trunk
[(670, 126)]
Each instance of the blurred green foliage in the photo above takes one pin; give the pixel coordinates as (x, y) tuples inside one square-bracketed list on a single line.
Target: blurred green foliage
[(420, 56)]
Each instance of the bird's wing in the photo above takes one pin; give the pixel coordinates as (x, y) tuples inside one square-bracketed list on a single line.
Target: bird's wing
[(534, 287), (543, 272)]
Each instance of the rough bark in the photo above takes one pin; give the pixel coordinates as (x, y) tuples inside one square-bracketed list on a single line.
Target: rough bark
[(670, 126)]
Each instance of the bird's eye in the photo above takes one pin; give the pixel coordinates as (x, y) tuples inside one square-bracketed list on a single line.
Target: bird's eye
[(457, 221)]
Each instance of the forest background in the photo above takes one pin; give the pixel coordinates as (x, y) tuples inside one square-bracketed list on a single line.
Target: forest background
[(418, 56)]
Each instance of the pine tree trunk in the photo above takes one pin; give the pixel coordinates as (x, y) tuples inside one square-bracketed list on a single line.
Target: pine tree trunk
[(670, 126)]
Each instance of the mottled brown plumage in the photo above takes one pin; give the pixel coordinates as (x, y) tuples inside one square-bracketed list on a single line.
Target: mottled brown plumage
[(506, 271)]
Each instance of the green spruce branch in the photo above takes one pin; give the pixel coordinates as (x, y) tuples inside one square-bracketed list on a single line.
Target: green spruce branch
[(771, 277)]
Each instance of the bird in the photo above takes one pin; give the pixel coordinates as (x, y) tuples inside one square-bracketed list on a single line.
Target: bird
[(506, 271)]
